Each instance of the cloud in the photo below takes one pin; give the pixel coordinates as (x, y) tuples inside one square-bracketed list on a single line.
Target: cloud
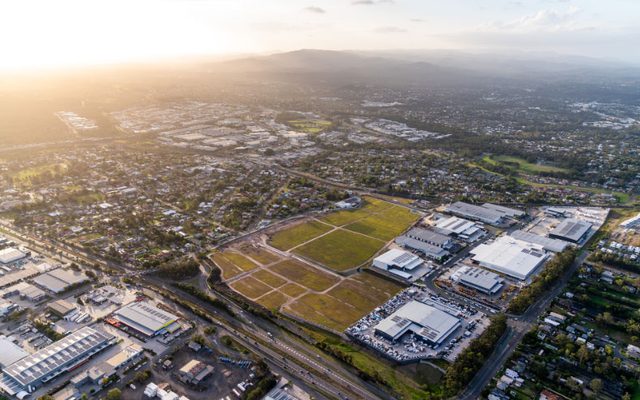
[(315, 10), (545, 20), (389, 29), (417, 20), (369, 2)]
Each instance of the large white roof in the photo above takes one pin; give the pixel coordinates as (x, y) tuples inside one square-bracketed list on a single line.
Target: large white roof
[(10, 254), (399, 259), (510, 256), (145, 317)]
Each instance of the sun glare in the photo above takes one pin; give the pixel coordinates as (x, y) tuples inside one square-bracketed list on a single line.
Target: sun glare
[(42, 33)]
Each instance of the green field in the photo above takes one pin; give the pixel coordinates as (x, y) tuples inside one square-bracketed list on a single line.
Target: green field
[(292, 290), (250, 287), (25, 176), (385, 225), (298, 234), (305, 275), (312, 126), (344, 217), (340, 250), (523, 165), (270, 279), (346, 303), (259, 254), (273, 300), (232, 264)]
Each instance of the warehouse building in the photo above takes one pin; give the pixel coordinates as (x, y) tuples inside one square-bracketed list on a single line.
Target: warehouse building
[(510, 256), (549, 244), (194, 372), (487, 213), (27, 374), (10, 255), (429, 323), (59, 280), (25, 291), (460, 228), (426, 249), (400, 263), (10, 353), (479, 279), (146, 318), (631, 223), (61, 308), (430, 237), (572, 230)]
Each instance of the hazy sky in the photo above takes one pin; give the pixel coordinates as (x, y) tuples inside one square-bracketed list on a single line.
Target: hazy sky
[(60, 32)]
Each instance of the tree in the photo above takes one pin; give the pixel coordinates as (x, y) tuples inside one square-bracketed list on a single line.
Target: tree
[(582, 354), (596, 385), (114, 394)]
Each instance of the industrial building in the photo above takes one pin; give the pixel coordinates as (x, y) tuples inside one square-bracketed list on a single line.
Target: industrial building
[(549, 244), (10, 255), (59, 357), (61, 308), (479, 279), (399, 262), (460, 228), (194, 372), (10, 353), (631, 223), (430, 237), (147, 319), (429, 323), (25, 291), (487, 213), (59, 280), (426, 249), (572, 230), (510, 256)]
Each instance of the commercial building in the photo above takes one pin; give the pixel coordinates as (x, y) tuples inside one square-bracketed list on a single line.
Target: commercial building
[(59, 357), (194, 372), (460, 228), (11, 254), (350, 203), (10, 353), (59, 280), (398, 262), (571, 229), (429, 323), (430, 237), (479, 279), (510, 256), (147, 319), (549, 244), (426, 249), (486, 213)]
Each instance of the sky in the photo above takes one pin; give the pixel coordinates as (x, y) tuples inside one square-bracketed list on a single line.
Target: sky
[(52, 33)]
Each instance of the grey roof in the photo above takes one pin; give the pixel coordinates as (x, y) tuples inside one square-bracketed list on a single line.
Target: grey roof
[(473, 211), (63, 353), (571, 228), (425, 248), (59, 279), (424, 320), (548, 244), (512, 212), (145, 317), (428, 236), (10, 353), (482, 279)]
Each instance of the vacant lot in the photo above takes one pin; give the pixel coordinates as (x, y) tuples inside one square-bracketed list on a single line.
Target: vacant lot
[(259, 254), (344, 217), (298, 234), (250, 287), (385, 225), (232, 264), (343, 305), (273, 300), (524, 165), (340, 250), (305, 275), (270, 279)]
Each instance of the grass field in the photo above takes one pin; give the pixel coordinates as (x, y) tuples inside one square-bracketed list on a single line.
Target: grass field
[(250, 287), (386, 225), (346, 303), (312, 126), (270, 279), (298, 234), (340, 250), (25, 176), (523, 165), (273, 300), (344, 217), (305, 275), (259, 254), (232, 264), (292, 290)]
